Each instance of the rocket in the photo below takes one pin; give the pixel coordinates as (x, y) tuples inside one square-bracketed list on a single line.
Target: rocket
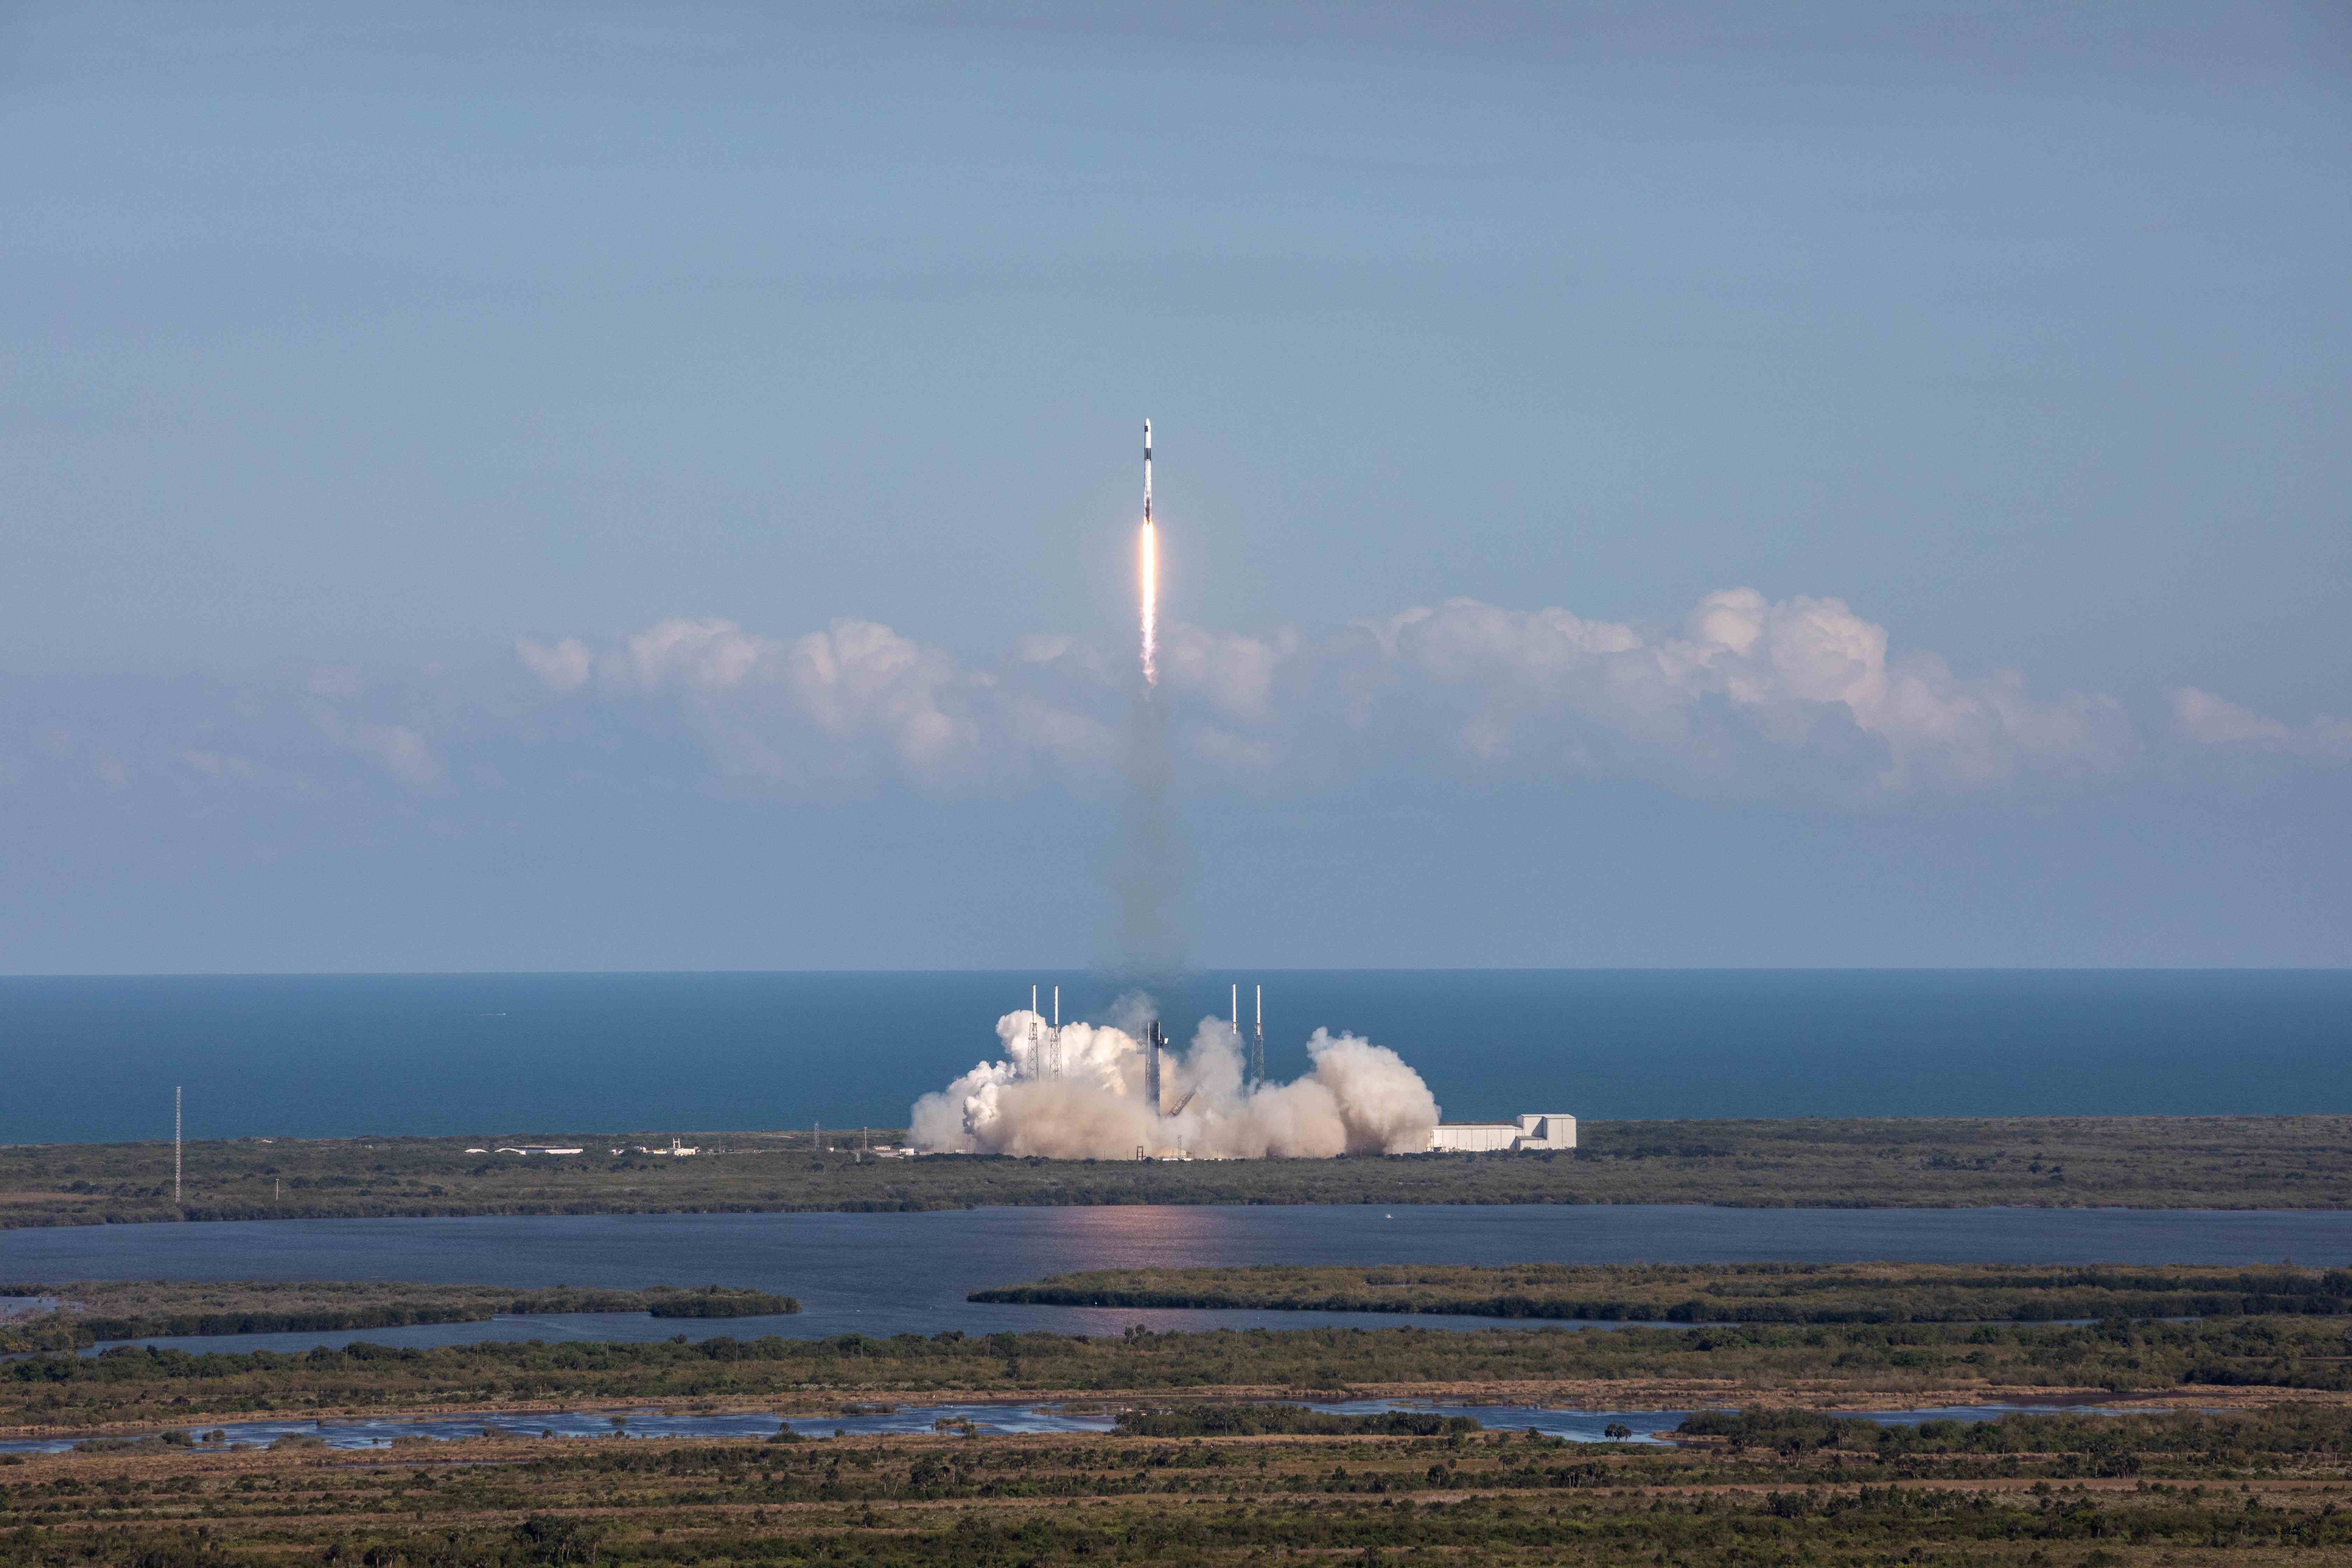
[(1147, 572)]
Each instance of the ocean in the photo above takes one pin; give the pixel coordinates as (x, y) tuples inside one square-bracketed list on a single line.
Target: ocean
[(90, 1058)]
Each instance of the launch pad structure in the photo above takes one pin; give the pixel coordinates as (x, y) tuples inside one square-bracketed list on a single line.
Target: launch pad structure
[(1046, 1063), (1530, 1132)]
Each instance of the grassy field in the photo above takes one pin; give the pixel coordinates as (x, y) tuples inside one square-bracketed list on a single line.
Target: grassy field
[(1714, 1293), (1851, 1367), (2244, 1491), (2232, 1162), (88, 1311)]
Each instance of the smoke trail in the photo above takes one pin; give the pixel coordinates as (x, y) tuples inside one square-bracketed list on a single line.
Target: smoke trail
[(1147, 866), (1147, 871), (1358, 1098), (1146, 584)]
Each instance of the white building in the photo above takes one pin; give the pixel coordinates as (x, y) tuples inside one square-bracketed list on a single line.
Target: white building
[(1533, 1130)]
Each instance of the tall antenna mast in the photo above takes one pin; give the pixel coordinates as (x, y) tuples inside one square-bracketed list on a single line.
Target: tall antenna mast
[(176, 1143)]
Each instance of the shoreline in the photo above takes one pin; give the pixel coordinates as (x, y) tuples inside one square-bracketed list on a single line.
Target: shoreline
[(2226, 1163)]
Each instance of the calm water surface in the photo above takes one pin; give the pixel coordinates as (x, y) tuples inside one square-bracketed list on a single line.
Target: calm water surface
[(909, 1273)]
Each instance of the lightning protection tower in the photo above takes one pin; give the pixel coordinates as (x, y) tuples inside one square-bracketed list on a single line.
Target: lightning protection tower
[(1037, 1041), (1054, 1039), (1257, 1046)]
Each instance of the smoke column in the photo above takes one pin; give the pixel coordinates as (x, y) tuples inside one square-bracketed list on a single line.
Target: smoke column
[(1147, 872), (1146, 573), (1356, 1099)]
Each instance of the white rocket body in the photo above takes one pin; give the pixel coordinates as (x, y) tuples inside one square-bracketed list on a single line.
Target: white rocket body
[(1147, 470)]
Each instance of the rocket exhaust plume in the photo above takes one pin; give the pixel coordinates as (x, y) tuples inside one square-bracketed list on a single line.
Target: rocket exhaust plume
[(1147, 572), (1147, 867), (1356, 1098)]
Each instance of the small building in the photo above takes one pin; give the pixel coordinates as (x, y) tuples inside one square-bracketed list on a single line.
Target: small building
[(1533, 1130)]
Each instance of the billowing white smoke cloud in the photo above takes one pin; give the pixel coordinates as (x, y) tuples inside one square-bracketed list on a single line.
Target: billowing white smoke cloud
[(1359, 1098)]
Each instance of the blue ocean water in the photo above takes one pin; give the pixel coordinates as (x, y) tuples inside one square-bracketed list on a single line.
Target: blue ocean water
[(95, 1059)]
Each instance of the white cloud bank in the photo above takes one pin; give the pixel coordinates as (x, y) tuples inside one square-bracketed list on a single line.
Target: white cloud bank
[(2205, 719), (1799, 699), (851, 700), (1745, 697)]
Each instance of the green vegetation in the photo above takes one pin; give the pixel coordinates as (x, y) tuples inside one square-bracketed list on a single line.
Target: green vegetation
[(1205, 1467), (2217, 1162), (2235, 1490), (1715, 1293), (1852, 1364), (90, 1311), (2231, 1442)]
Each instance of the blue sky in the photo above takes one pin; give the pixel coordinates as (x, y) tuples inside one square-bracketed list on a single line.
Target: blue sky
[(652, 486)]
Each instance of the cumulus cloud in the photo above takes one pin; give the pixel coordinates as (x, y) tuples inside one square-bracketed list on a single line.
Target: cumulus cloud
[(1746, 695), (855, 699), (2205, 719), (565, 665), (1800, 699), (401, 750)]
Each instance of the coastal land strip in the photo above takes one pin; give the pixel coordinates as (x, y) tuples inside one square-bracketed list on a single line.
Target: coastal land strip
[(66, 1314), (1714, 1293), (2173, 1162)]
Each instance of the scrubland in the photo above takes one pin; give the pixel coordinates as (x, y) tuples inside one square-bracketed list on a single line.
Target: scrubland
[(2228, 1490), (74, 1312), (1715, 1293), (1853, 1367)]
